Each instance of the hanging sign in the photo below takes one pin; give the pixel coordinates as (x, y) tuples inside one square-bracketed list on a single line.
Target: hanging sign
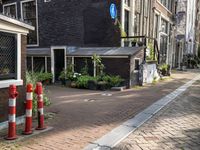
[(113, 11)]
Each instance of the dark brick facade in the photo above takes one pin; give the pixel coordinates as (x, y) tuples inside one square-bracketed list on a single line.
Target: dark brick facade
[(75, 23), (21, 89)]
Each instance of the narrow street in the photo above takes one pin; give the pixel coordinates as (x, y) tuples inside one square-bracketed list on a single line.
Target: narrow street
[(175, 127), (82, 116)]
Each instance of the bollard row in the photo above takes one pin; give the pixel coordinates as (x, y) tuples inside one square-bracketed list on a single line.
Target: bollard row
[(28, 121)]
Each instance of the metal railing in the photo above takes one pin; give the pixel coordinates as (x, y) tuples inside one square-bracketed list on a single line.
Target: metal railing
[(137, 41)]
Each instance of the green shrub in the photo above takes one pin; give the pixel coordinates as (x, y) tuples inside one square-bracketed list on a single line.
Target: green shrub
[(44, 76), (113, 81), (33, 78), (165, 68), (82, 81)]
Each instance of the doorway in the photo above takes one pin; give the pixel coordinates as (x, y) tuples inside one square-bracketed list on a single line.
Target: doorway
[(58, 62)]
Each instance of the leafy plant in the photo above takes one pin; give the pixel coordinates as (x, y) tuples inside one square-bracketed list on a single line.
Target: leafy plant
[(33, 78), (84, 70), (164, 68), (113, 81), (151, 55), (99, 65), (44, 76), (82, 81)]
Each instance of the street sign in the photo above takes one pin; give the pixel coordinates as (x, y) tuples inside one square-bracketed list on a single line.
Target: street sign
[(113, 11)]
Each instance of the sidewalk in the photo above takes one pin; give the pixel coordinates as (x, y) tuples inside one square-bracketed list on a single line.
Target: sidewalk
[(175, 127), (83, 116)]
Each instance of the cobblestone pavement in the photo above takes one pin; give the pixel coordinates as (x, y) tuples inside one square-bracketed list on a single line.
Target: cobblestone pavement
[(175, 127), (82, 116)]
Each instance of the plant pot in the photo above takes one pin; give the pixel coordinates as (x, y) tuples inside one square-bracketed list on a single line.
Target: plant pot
[(92, 85), (67, 83), (73, 84), (103, 85), (63, 81), (133, 44), (140, 43)]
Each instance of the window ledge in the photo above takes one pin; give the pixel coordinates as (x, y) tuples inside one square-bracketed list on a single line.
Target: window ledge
[(7, 83)]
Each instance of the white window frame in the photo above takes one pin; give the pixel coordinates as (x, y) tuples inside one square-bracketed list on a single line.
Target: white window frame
[(21, 4), (10, 4), (52, 59), (18, 81), (135, 71)]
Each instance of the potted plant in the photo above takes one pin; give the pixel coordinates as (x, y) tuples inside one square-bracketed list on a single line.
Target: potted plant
[(134, 42)]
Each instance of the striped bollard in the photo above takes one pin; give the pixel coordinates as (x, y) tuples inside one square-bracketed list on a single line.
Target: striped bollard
[(12, 113), (40, 105), (29, 98)]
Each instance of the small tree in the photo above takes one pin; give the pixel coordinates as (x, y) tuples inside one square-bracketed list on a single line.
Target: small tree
[(99, 65)]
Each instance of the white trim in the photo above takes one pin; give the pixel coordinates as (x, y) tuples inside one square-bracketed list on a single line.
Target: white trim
[(169, 11), (101, 56), (32, 63), (19, 56), (18, 81), (7, 83), (10, 4), (21, 3), (46, 64), (95, 69), (135, 71), (73, 64)]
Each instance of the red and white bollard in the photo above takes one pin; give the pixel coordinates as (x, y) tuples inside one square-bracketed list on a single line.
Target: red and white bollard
[(12, 113), (29, 105), (40, 106)]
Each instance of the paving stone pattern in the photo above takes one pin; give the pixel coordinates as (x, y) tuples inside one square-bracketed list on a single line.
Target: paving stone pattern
[(83, 116), (175, 127)]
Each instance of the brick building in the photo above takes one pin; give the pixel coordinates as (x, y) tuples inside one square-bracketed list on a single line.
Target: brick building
[(13, 62)]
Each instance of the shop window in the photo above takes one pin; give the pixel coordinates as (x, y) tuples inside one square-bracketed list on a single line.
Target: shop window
[(29, 16), (10, 10), (8, 56)]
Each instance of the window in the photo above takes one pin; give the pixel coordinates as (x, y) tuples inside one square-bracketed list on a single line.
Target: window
[(137, 17), (156, 29), (28, 9), (127, 2), (126, 26), (10, 10), (167, 3), (164, 26), (8, 56), (137, 64)]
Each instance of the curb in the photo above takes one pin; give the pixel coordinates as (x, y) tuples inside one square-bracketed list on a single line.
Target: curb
[(119, 133)]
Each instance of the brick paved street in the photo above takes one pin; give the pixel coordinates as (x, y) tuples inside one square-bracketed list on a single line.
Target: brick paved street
[(83, 116), (175, 127)]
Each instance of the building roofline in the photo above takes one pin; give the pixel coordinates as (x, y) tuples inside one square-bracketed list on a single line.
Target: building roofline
[(16, 22)]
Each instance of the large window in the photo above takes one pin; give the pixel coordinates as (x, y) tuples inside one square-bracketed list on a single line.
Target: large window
[(29, 16), (10, 10), (8, 56), (164, 26), (126, 25), (156, 27), (167, 3), (137, 17)]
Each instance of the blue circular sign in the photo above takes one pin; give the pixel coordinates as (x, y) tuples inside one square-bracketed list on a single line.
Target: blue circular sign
[(113, 11)]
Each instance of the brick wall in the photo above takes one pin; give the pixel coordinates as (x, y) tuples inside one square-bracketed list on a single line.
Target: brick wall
[(75, 23), (21, 89)]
